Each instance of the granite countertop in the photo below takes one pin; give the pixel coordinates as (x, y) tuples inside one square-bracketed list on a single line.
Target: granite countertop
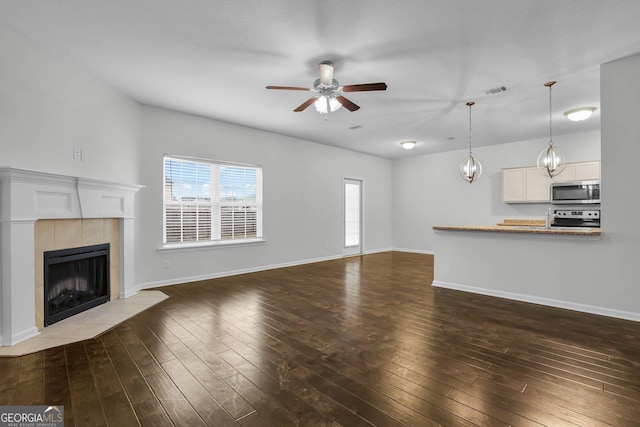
[(522, 229)]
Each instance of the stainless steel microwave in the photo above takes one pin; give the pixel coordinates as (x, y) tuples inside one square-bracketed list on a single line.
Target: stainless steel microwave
[(575, 192)]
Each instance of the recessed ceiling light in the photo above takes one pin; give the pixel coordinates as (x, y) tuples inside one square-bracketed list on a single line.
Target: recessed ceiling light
[(408, 145), (578, 114)]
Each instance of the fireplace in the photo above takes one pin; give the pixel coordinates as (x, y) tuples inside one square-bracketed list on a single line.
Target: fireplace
[(75, 280), (42, 212)]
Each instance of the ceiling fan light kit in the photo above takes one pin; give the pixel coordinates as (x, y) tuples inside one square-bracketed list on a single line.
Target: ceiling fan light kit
[(551, 161), (327, 98), (326, 104)]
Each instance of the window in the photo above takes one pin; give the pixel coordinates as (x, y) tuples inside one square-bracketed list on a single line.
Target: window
[(210, 201)]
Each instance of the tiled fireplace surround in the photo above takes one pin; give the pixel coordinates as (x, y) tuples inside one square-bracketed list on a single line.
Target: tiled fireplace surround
[(41, 212), (53, 234)]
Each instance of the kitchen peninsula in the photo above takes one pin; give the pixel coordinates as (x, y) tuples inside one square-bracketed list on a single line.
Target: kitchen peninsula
[(526, 263)]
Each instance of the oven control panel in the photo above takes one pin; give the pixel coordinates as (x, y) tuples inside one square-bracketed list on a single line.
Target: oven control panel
[(589, 214)]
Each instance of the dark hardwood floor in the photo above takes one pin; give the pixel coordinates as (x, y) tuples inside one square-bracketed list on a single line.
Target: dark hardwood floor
[(355, 342)]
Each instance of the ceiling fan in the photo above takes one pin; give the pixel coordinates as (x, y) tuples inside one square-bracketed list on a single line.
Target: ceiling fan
[(327, 90)]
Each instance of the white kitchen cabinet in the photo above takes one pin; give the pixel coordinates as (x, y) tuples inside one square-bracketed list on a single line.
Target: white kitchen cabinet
[(524, 185), (529, 185), (513, 190), (587, 171), (568, 174), (537, 186), (580, 171)]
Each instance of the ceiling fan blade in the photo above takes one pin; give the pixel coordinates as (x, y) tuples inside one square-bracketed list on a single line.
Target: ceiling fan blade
[(289, 88), (347, 104), (326, 73), (305, 104), (364, 87)]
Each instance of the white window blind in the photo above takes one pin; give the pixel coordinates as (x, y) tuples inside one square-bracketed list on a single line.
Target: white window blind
[(207, 201)]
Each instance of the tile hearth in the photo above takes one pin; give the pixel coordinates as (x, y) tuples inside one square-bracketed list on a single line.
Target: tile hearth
[(87, 324)]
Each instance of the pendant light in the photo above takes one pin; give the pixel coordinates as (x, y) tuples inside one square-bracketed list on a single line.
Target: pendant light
[(551, 161), (470, 168)]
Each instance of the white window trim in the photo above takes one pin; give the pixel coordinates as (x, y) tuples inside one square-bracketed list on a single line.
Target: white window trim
[(196, 246)]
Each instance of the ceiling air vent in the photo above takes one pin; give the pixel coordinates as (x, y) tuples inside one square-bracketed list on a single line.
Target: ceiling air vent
[(496, 90)]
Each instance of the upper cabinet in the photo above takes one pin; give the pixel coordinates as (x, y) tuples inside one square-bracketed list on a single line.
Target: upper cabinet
[(524, 185), (582, 171), (513, 182), (528, 185)]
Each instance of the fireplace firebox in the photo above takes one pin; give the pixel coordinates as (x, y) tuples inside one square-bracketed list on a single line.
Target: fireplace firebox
[(75, 280)]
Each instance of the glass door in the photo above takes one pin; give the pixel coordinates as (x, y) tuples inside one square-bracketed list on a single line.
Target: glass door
[(352, 217)]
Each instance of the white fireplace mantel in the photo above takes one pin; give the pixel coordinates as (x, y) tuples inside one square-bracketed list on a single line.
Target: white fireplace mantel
[(27, 196)]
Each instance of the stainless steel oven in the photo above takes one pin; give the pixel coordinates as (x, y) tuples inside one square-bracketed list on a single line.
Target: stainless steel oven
[(575, 192), (576, 216)]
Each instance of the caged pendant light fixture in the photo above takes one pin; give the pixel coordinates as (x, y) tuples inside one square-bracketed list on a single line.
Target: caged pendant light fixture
[(470, 168), (551, 161)]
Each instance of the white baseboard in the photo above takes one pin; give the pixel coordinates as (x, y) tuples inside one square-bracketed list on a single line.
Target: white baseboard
[(602, 311), (376, 251), (21, 336), (415, 251), (131, 292), (179, 280)]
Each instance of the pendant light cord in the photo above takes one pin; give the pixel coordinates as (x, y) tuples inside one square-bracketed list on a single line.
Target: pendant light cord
[(549, 85), (470, 104)]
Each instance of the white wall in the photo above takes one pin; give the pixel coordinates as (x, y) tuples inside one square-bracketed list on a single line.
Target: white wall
[(620, 102), (48, 107), (428, 190), (302, 197)]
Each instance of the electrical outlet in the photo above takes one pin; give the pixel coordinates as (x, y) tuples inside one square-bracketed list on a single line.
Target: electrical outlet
[(165, 264), (76, 153)]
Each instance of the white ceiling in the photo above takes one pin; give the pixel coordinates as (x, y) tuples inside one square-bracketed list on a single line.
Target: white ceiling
[(214, 58)]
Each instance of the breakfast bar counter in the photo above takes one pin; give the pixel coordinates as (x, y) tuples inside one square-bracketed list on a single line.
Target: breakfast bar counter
[(522, 229)]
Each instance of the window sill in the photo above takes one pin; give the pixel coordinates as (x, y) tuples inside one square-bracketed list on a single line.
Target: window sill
[(179, 247)]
